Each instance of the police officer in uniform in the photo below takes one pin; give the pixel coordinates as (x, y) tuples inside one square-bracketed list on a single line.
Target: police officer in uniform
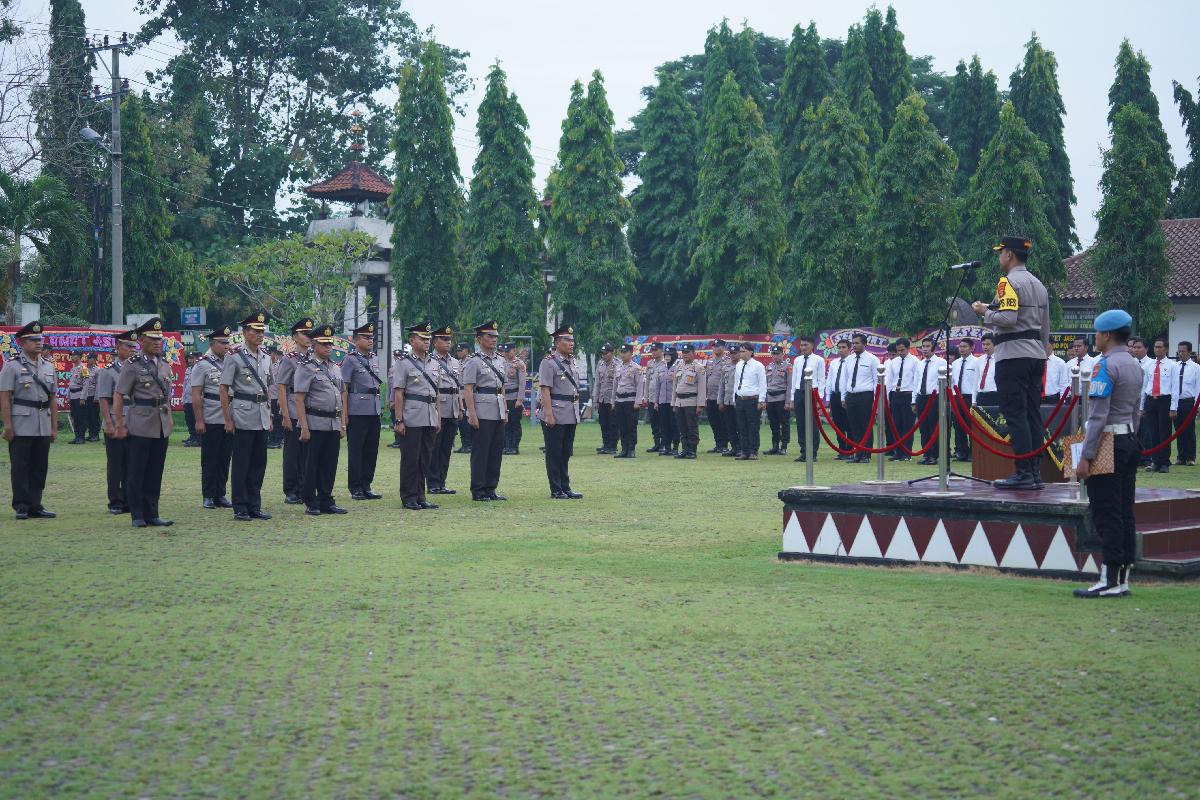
[(628, 395), (514, 389), (1113, 411), (465, 431), (449, 408), (90, 408), (689, 393), (391, 384), (1020, 316), (322, 418), (146, 380), (483, 390), (29, 409), (653, 368), (360, 376), (714, 378), (216, 443), (558, 377), (75, 381), (602, 393), (246, 407), (779, 382), (664, 396), (727, 399), (293, 448), (416, 394), (115, 449), (805, 361), (275, 440)]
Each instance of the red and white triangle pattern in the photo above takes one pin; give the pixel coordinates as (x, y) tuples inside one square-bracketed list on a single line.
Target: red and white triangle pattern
[(935, 540)]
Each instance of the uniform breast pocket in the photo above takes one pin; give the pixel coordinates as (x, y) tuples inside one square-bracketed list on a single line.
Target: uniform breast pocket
[(142, 411), (21, 411)]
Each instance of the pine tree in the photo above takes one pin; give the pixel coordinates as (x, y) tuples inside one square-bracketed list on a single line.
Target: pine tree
[(716, 65), (505, 279), (806, 82), (973, 116), (891, 74), (1128, 262), (425, 207), (661, 233), (1033, 89), (1185, 199), (594, 272), (1132, 85), (62, 110), (741, 230), (912, 221), (1007, 197), (854, 80), (744, 64), (827, 259)]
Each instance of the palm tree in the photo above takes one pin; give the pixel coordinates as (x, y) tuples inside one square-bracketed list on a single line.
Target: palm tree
[(36, 210)]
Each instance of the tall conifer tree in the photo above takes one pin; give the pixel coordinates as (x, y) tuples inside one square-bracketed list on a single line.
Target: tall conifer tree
[(854, 81), (973, 116), (1132, 85), (1185, 199), (806, 82)]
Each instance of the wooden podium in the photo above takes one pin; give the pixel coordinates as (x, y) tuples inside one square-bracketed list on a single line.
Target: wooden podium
[(989, 467)]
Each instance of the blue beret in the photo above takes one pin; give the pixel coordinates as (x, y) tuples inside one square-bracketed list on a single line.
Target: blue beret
[(1113, 320)]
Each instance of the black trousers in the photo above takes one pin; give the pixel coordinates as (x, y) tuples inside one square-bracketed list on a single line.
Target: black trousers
[(990, 399), (837, 410), (145, 462), (858, 414), (487, 453), (730, 422), (1019, 384), (962, 440), (627, 419), (78, 417), (320, 469), (655, 424), (216, 449), (514, 427), (667, 427), (29, 459), (416, 458), (560, 444), (801, 445), (608, 425), (249, 468), (276, 435), (362, 451), (1158, 419), (189, 418), (465, 431), (116, 454), (687, 421), (929, 424), (1185, 445), (293, 461), (93, 418), (1110, 501), (748, 421), (443, 446), (901, 404), (781, 422), (716, 422)]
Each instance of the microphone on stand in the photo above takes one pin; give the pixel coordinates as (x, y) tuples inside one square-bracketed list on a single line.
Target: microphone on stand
[(967, 265)]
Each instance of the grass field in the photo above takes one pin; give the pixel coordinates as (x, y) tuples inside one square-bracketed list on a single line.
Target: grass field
[(642, 642)]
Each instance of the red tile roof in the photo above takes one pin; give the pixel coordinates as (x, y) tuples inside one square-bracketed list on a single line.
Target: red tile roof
[(355, 183), (1183, 254)]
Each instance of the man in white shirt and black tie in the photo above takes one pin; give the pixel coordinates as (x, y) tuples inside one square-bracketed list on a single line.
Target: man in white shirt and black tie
[(986, 394), (833, 390), (858, 392), (927, 391), (1158, 391), (900, 377), (1187, 386), (806, 360), (964, 376), (750, 398), (1080, 358), (1056, 378)]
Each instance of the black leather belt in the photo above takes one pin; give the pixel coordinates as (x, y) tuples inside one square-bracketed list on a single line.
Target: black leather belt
[(211, 396), (686, 396), (489, 390), (626, 396), (366, 391), (777, 394), (1001, 338), (421, 398), (39, 404), (316, 413), (568, 398), (253, 398), (451, 390), (156, 402)]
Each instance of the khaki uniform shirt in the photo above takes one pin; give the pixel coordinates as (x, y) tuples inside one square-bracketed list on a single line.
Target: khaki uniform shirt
[(321, 384), (360, 374), (1114, 397), (629, 383), (561, 376), (106, 382), (605, 370), (1022, 305), (146, 383), (689, 384), (715, 377), (75, 382), (419, 378), (89, 382), (779, 381), (284, 371), (18, 377), (481, 371), (514, 378), (449, 387), (249, 403), (206, 374), (727, 387)]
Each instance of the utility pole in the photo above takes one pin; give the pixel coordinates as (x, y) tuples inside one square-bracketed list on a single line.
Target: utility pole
[(119, 89)]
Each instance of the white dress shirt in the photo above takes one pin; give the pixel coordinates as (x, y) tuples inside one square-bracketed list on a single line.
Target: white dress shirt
[(750, 380), (816, 364), (987, 382), (927, 379), (964, 374), (906, 382), (832, 378), (1186, 384), (1058, 376), (859, 374), (1086, 364), (1167, 378)]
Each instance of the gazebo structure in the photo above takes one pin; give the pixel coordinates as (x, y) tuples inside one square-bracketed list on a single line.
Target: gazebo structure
[(373, 297)]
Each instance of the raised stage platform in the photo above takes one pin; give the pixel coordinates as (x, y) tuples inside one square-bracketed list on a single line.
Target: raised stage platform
[(1041, 533)]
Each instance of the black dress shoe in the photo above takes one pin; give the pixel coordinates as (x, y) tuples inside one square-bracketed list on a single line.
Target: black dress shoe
[(774, 451), (482, 498), (357, 496), (573, 495), (313, 512), (559, 496), (427, 504), (334, 509), (242, 516), (715, 450), (1163, 468), (443, 490), (730, 454), (159, 522), (689, 454), (652, 449), (396, 446), (494, 496), (292, 500), (222, 502), (259, 515), (208, 503), (41, 513), (414, 505), (22, 514), (1022, 480), (625, 454), (115, 510), (139, 523), (372, 495)]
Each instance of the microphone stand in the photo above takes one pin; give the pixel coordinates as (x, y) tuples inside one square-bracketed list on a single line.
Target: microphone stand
[(944, 424)]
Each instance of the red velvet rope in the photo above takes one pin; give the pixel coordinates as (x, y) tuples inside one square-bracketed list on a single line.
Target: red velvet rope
[(929, 402), (1191, 418), (1014, 456), (855, 447)]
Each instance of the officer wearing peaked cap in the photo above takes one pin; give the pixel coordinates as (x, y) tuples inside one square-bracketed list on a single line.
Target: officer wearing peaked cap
[(246, 408), (216, 443), (449, 409), (418, 417), (558, 377), (688, 395), (146, 381), (514, 390), (605, 368), (462, 352), (628, 395), (322, 417), (293, 448), (483, 391), (360, 374), (29, 409), (115, 450)]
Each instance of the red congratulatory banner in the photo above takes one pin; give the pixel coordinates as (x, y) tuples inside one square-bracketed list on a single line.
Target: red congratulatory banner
[(67, 341)]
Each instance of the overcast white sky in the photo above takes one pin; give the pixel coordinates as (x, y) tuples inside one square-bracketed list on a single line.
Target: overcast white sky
[(544, 45)]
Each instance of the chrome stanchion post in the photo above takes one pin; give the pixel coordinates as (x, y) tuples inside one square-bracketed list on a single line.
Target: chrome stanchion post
[(880, 428), (1085, 386), (809, 456), (1073, 479), (943, 441)]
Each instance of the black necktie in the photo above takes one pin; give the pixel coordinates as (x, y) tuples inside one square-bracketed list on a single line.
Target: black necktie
[(961, 369), (854, 375), (837, 381), (1181, 365), (925, 377), (804, 369), (900, 381), (741, 377)]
